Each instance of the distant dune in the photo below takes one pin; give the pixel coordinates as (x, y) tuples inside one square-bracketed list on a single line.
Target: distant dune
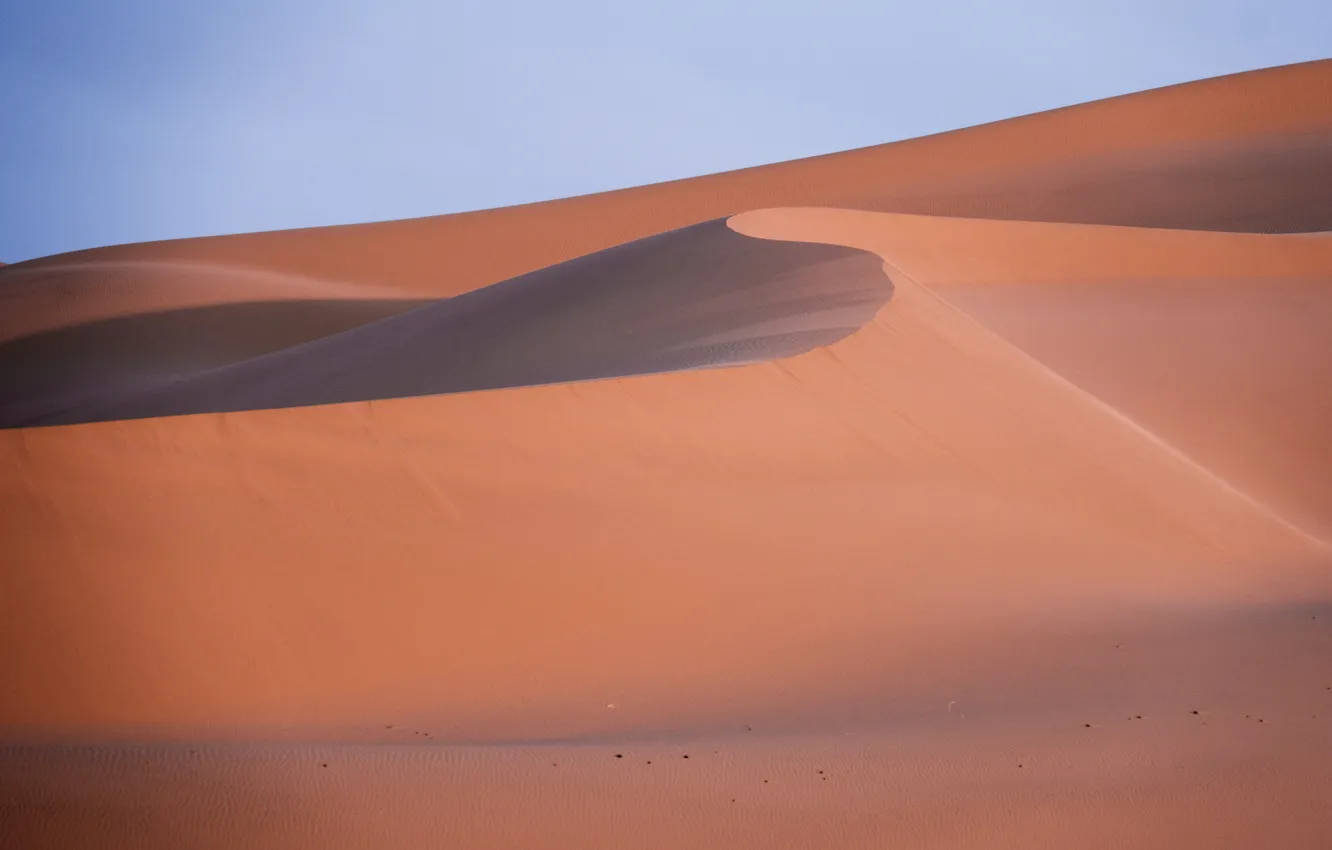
[(968, 491), (1248, 152)]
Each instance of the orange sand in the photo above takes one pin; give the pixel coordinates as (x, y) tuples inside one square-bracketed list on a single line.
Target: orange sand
[(961, 579), (1260, 140), (1233, 376)]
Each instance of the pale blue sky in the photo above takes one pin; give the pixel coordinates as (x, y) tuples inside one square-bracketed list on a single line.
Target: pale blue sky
[(129, 120)]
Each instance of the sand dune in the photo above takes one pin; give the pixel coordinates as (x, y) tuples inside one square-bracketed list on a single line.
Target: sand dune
[(1031, 554), (697, 297), (1214, 342), (48, 375), (35, 298), (1245, 152), (678, 536)]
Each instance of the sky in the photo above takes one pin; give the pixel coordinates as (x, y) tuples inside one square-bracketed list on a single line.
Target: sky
[(134, 120)]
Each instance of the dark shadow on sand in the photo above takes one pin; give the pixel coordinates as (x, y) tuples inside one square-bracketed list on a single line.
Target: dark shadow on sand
[(696, 297)]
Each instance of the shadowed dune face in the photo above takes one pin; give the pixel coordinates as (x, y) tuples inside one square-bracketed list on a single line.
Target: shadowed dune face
[(1034, 554), (698, 297), (44, 375), (36, 298), (864, 524)]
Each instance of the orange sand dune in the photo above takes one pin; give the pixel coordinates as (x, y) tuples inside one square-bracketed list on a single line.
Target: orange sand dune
[(855, 538), (1215, 342), (1037, 557), (692, 298), (1245, 152), (785, 517)]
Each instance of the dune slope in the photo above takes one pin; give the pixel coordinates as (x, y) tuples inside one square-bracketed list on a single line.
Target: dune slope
[(1244, 152), (40, 297), (697, 297), (709, 536), (1032, 553), (1213, 342)]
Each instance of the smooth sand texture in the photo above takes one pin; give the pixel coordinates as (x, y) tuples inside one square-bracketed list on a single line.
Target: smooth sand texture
[(1216, 343), (958, 579), (1238, 378), (38, 297), (959, 773), (677, 537), (692, 298), (53, 373)]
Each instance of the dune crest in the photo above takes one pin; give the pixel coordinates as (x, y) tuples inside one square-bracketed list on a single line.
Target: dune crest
[(918, 454), (1213, 342), (1002, 526), (694, 298), (1246, 152)]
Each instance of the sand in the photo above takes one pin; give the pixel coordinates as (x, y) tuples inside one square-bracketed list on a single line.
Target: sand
[(1032, 552), (1216, 343), (1244, 152), (37, 297), (701, 296)]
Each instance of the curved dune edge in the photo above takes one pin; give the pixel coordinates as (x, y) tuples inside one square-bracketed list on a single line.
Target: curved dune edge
[(1248, 151), (919, 588), (714, 543), (1259, 357), (699, 297), (944, 251), (911, 567)]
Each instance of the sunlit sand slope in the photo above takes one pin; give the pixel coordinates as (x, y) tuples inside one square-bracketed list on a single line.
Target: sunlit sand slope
[(1216, 343), (708, 537), (984, 532)]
